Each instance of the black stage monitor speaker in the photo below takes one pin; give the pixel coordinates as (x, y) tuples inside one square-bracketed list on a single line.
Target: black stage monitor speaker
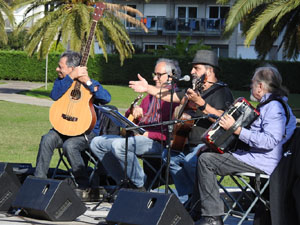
[(48, 199), (9, 186), (147, 208)]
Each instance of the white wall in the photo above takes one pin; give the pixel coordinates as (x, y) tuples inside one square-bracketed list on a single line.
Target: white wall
[(246, 53)]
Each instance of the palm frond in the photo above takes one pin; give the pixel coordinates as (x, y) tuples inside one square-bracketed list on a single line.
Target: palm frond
[(271, 12), (238, 11)]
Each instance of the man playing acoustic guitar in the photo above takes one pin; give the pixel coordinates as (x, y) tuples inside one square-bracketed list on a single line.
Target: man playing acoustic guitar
[(151, 111), (211, 97), (69, 71)]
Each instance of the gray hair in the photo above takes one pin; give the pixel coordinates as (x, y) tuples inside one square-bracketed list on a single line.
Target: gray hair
[(271, 78), (172, 66), (73, 58)]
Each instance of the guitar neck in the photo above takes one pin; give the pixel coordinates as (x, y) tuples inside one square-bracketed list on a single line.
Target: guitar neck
[(86, 52)]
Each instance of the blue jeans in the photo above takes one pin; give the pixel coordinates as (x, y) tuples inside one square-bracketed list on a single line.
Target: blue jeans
[(183, 169), (137, 145), (72, 148)]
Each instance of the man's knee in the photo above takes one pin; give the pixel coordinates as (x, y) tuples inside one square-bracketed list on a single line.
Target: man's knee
[(117, 148), (206, 158)]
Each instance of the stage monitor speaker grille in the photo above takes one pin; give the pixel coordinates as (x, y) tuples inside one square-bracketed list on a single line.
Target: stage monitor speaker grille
[(48, 199), (147, 208), (9, 186)]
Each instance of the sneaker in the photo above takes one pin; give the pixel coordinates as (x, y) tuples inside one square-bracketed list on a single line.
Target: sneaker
[(210, 220), (83, 194)]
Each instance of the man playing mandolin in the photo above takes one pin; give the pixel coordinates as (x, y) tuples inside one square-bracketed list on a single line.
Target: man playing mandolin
[(69, 71), (151, 111), (210, 97)]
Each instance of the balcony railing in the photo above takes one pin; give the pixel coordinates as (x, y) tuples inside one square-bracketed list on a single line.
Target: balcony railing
[(191, 26)]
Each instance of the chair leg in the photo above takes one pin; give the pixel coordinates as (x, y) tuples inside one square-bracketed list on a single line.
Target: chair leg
[(61, 160), (256, 191), (157, 174)]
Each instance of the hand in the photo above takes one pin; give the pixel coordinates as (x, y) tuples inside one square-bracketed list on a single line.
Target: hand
[(80, 73), (137, 112), (145, 134), (139, 86), (194, 97), (226, 121)]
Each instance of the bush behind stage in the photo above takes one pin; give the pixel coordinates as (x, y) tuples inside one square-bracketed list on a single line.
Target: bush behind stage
[(237, 73)]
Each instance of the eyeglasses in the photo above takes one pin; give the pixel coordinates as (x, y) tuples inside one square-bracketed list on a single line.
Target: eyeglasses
[(158, 74)]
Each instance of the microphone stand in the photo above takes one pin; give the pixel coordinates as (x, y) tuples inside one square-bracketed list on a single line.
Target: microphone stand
[(170, 132)]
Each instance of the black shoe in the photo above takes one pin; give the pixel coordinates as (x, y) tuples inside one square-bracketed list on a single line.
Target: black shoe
[(142, 189), (210, 220), (132, 186), (195, 215)]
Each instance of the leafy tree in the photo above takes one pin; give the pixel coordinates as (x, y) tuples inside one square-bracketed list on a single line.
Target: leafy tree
[(5, 9), (181, 48), (266, 20), (70, 21)]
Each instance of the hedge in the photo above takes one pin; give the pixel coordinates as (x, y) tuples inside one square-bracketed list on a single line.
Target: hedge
[(16, 65)]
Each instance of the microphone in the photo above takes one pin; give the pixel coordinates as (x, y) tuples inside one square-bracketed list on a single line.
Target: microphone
[(184, 78)]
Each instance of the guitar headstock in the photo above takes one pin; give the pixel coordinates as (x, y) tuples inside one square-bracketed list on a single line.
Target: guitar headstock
[(98, 12), (198, 82), (137, 99)]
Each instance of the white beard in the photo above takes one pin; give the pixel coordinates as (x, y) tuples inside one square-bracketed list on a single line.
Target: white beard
[(252, 98)]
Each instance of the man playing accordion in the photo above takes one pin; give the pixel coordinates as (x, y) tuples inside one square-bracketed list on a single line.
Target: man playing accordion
[(264, 139)]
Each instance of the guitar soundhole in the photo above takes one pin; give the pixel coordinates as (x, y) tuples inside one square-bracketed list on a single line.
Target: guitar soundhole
[(75, 94), (69, 118)]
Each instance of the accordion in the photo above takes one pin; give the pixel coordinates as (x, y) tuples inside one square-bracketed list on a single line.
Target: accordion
[(220, 140)]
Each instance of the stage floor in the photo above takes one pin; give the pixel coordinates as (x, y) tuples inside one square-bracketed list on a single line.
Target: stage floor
[(88, 218)]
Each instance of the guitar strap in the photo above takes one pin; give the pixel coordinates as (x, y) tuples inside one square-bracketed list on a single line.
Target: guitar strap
[(213, 89)]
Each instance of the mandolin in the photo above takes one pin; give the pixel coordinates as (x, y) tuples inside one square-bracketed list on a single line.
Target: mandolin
[(133, 104), (130, 116), (73, 114), (185, 111)]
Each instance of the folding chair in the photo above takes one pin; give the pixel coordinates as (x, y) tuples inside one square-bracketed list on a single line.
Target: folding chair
[(249, 191), (154, 167), (55, 173)]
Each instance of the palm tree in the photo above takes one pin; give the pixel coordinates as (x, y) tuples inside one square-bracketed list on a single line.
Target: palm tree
[(5, 9), (69, 21), (266, 20)]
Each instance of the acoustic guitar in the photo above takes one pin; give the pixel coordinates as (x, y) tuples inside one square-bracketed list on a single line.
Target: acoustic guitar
[(185, 111), (73, 114)]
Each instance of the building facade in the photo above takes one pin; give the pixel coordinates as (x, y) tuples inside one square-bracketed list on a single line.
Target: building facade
[(200, 20)]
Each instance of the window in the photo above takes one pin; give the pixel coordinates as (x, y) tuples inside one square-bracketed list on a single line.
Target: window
[(150, 48), (186, 12), (128, 24), (221, 50), (184, 15), (218, 12), (217, 15)]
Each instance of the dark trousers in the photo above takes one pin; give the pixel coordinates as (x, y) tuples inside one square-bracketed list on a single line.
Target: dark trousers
[(72, 148), (206, 197)]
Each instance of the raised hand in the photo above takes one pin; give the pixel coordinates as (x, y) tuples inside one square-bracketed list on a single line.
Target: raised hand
[(139, 86)]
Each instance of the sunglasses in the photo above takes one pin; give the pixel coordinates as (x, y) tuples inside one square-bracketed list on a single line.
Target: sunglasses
[(158, 74)]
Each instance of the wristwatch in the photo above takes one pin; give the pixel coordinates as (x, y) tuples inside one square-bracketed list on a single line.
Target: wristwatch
[(89, 83), (202, 107)]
